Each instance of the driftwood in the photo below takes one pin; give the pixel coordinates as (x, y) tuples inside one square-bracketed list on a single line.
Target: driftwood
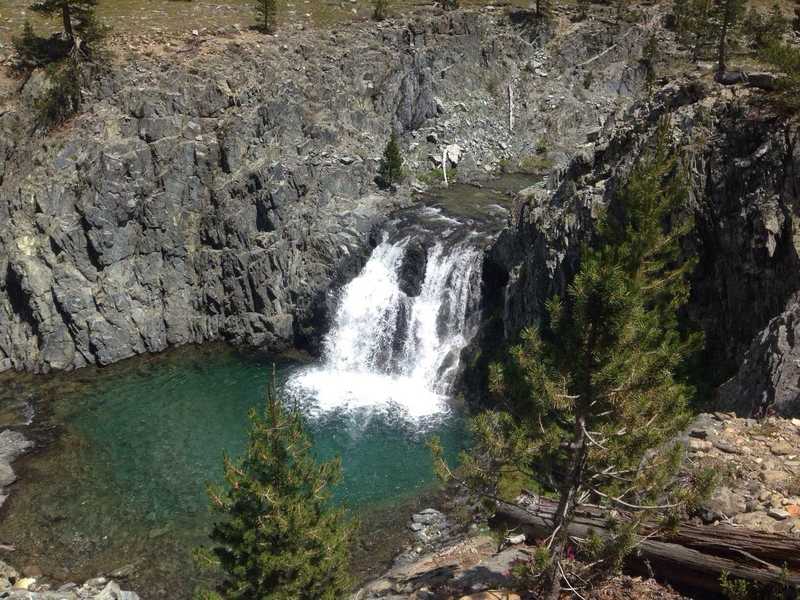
[(693, 557)]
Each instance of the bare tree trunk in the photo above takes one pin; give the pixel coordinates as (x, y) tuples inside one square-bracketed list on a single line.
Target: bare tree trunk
[(566, 509), (691, 555), (723, 39), (510, 106), (67, 18)]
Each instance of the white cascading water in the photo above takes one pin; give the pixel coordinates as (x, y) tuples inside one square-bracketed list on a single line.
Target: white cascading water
[(387, 349)]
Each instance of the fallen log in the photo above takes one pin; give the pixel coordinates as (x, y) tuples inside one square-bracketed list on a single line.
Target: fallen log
[(693, 556)]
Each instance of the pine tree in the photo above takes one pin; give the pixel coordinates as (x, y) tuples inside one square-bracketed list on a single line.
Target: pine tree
[(648, 60), (728, 14), (279, 537), (62, 98), (680, 16), (76, 15), (267, 11), (390, 170), (592, 398), (763, 30), (696, 24), (786, 59), (796, 20), (544, 10), (379, 9)]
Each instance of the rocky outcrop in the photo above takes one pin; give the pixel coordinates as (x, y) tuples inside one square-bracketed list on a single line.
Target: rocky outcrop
[(769, 377), (474, 569), (742, 164), (21, 587), (758, 465), (12, 445), (219, 190)]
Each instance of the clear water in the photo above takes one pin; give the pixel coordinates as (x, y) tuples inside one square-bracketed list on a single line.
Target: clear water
[(123, 482), (126, 483)]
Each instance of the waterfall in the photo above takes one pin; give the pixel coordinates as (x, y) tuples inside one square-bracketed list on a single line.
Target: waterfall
[(396, 342)]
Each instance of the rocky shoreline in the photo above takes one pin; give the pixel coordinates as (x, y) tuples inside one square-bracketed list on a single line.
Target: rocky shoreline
[(21, 587), (28, 585), (12, 445)]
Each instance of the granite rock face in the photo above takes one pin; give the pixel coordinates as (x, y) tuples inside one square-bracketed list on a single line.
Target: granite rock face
[(769, 377), (743, 168), (221, 191)]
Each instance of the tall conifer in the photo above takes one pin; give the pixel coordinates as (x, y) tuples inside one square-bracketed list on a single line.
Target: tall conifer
[(76, 15), (390, 170), (590, 400), (279, 538), (267, 12)]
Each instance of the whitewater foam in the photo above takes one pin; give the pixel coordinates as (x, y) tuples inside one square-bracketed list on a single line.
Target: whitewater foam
[(388, 351)]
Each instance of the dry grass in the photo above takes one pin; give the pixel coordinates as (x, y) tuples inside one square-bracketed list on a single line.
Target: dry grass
[(170, 17)]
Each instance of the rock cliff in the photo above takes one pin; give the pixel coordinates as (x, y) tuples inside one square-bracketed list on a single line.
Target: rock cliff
[(742, 165), (219, 188)]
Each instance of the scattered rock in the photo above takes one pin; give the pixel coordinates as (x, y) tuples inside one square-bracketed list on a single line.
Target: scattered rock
[(32, 571), (454, 152), (24, 583), (124, 572), (513, 540), (772, 477), (782, 448), (727, 447), (757, 480), (7, 476), (725, 502), (778, 513), (12, 445), (699, 445)]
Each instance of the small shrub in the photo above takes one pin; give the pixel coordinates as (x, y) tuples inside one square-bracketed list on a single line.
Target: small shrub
[(741, 589), (379, 9), (527, 572), (534, 165), (541, 147), (785, 58), (390, 170), (493, 85), (792, 486), (648, 60), (765, 29), (267, 12), (63, 98), (450, 4), (434, 176)]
